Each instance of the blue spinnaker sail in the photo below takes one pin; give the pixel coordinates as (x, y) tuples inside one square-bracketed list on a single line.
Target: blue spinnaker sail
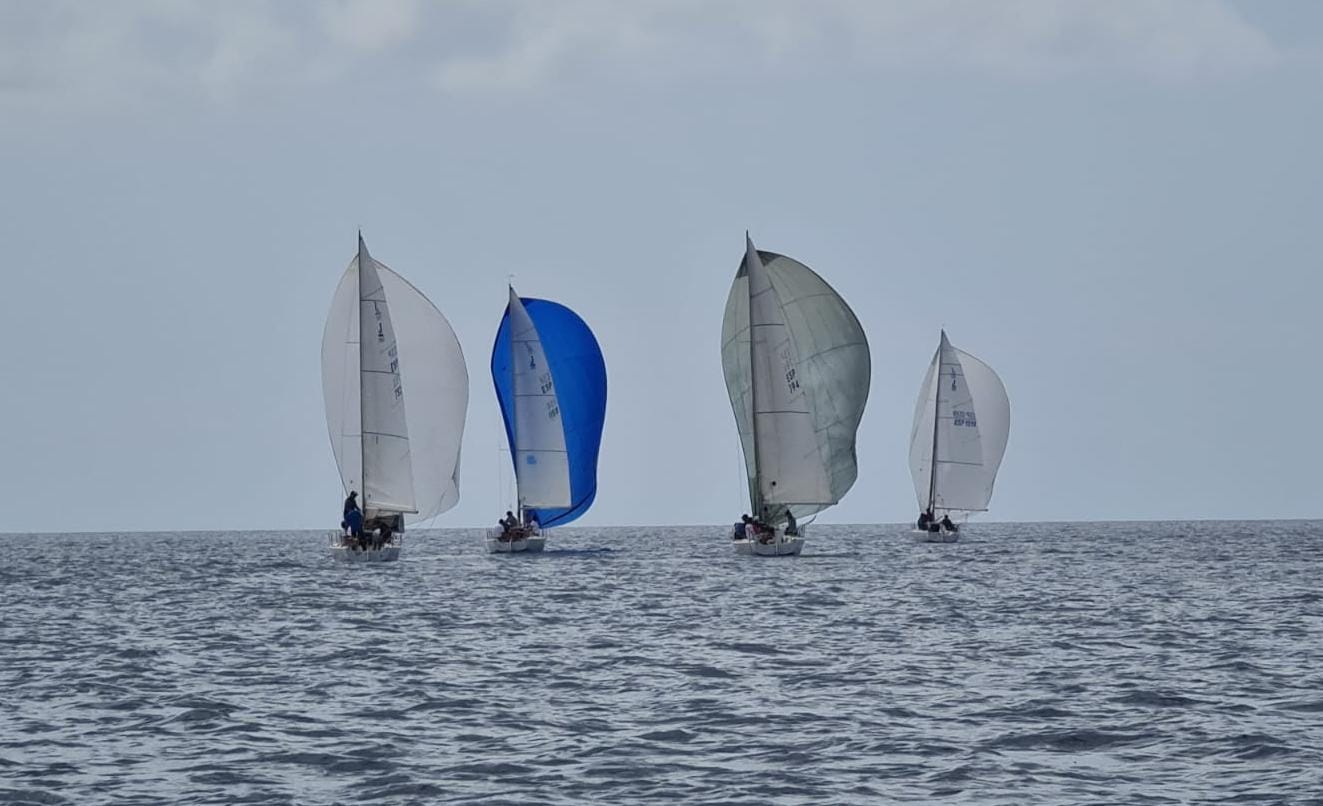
[(579, 373)]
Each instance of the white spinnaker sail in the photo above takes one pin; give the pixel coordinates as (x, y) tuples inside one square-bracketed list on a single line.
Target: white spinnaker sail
[(434, 382), (542, 465), (973, 423), (814, 357)]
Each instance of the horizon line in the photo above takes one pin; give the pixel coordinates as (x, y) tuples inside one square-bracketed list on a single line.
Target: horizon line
[(658, 526)]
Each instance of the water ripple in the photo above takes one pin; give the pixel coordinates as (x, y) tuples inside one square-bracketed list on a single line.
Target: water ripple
[(1029, 664)]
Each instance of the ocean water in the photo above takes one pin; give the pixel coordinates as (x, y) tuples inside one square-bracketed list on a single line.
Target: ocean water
[(1123, 663)]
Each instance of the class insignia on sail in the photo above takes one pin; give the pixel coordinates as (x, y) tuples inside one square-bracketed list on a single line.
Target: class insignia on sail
[(797, 370), (962, 420), (550, 380), (395, 407)]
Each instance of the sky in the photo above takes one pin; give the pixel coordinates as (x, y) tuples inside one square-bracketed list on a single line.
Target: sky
[(1114, 203)]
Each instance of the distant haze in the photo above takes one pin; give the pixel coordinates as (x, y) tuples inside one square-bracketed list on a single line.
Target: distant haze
[(1117, 204)]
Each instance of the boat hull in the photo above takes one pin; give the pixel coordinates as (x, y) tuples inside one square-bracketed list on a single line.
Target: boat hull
[(498, 543), (342, 552), (778, 545), (942, 536)]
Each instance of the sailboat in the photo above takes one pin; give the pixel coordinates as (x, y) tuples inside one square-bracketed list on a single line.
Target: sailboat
[(395, 406), (551, 383), (961, 422), (797, 370)]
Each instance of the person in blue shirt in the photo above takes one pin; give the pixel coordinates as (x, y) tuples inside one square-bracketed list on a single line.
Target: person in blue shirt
[(353, 525), (354, 522)]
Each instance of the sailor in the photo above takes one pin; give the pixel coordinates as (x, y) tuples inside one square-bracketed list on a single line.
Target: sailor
[(530, 518), (948, 525), (763, 527), (351, 504), (934, 525), (925, 518), (741, 528), (354, 520), (792, 528)]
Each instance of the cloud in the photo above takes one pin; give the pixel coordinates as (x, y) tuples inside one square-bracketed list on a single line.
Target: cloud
[(1162, 39), (104, 52), (369, 25)]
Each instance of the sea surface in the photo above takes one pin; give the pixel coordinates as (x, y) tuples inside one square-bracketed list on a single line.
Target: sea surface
[(1101, 663)]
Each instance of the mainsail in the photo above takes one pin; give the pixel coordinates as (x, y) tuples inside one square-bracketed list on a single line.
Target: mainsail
[(395, 401), (797, 370), (550, 379), (961, 423)]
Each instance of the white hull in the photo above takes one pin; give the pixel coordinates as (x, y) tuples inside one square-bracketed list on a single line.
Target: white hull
[(778, 545), (942, 536), (498, 543), (342, 552)]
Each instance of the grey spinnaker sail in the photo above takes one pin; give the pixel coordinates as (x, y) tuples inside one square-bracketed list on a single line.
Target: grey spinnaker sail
[(798, 425)]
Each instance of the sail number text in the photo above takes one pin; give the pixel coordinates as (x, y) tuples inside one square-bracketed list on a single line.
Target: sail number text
[(791, 372), (394, 355)]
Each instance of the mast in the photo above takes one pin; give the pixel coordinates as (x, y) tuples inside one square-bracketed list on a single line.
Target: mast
[(514, 422), (362, 349), (756, 496), (937, 412)]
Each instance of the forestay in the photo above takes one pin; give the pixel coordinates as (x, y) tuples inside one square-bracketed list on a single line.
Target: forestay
[(797, 370), (550, 378), (973, 416), (412, 445)]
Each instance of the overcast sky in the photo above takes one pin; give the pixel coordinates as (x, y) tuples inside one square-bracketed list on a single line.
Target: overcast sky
[(1115, 203)]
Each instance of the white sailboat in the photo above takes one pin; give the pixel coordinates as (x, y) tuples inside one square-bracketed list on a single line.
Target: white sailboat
[(395, 405), (797, 370), (550, 380), (961, 423), (542, 465)]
